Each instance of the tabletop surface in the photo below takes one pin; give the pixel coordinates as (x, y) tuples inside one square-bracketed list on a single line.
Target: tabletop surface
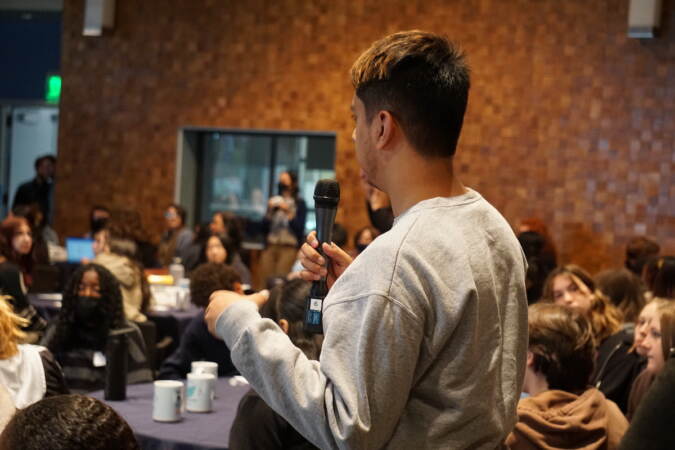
[(194, 431)]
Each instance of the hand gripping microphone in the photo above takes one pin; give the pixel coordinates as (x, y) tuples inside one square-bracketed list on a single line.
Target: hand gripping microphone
[(326, 198)]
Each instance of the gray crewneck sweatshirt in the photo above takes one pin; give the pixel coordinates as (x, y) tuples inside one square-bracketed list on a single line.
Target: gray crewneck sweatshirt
[(425, 338)]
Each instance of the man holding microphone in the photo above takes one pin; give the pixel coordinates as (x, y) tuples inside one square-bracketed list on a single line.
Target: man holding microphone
[(426, 331)]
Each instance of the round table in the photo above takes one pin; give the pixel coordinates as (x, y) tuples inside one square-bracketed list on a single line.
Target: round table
[(197, 431)]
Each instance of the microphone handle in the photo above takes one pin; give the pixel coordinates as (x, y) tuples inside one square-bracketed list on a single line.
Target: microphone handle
[(325, 218)]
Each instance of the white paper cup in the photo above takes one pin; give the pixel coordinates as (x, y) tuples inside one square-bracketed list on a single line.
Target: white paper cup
[(200, 392), (167, 403), (205, 367)]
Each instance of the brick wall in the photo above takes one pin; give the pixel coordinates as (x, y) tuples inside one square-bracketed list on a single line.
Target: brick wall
[(569, 120)]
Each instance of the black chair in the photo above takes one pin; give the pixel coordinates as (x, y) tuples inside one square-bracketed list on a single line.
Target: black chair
[(149, 332)]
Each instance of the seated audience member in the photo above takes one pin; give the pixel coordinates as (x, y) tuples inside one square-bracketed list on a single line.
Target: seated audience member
[(126, 224), (197, 344), (117, 255), (655, 327), (19, 249), (28, 372), (256, 425), (178, 240), (652, 425), (548, 254), (91, 308), (45, 239), (638, 250), (12, 285), (363, 238), (98, 220), (616, 366), (68, 422), (217, 249), (663, 283), (563, 411), (229, 225), (539, 263), (624, 290)]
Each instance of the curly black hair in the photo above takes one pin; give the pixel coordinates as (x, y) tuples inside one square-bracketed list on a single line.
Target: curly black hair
[(113, 306), (208, 278), (66, 422)]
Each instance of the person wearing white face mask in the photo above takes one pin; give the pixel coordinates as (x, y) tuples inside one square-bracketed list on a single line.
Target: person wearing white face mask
[(16, 265)]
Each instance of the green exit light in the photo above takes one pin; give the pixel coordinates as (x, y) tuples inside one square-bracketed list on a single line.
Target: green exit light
[(53, 93)]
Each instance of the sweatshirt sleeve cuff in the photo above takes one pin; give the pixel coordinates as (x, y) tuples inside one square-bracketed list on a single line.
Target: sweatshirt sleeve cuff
[(234, 320)]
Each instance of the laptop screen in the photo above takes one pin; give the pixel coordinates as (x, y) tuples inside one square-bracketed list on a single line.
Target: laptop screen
[(79, 248)]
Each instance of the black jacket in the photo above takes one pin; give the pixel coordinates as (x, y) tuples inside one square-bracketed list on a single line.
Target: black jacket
[(616, 368), (652, 427)]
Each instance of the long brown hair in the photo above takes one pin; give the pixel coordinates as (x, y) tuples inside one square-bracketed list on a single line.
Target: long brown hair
[(8, 228), (605, 318), (667, 320)]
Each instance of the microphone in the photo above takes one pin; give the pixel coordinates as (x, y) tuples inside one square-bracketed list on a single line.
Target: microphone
[(326, 198)]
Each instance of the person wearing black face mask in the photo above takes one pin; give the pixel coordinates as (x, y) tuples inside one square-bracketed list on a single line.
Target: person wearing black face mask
[(284, 225), (91, 308), (98, 219)]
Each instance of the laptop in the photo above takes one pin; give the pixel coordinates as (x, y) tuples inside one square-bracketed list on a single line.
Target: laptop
[(79, 248)]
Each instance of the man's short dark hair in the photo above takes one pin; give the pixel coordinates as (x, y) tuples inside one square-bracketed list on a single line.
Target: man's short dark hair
[(423, 81), (39, 160), (66, 422), (208, 278)]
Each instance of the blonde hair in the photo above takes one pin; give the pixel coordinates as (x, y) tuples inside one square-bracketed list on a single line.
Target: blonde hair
[(10, 329), (605, 318)]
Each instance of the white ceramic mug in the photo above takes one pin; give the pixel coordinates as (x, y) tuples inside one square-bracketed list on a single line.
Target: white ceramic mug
[(200, 392), (205, 367), (167, 403)]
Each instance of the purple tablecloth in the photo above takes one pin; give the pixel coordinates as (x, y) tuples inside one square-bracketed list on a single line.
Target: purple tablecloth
[(197, 431)]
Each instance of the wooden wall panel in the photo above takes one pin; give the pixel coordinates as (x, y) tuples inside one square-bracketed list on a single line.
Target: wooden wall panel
[(569, 120)]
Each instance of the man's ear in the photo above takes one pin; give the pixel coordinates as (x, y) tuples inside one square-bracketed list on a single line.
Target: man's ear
[(238, 288), (530, 359), (283, 323), (385, 129)]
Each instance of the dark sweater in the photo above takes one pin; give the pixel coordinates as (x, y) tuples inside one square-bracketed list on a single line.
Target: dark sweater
[(616, 368), (197, 344), (652, 426), (257, 426)]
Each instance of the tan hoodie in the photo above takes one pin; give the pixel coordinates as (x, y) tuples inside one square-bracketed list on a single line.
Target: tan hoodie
[(562, 420), (129, 278)]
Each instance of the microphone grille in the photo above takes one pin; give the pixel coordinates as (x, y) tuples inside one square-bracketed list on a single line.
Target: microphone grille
[(327, 190)]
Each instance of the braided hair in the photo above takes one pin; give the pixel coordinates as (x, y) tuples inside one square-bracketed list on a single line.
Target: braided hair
[(111, 296)]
